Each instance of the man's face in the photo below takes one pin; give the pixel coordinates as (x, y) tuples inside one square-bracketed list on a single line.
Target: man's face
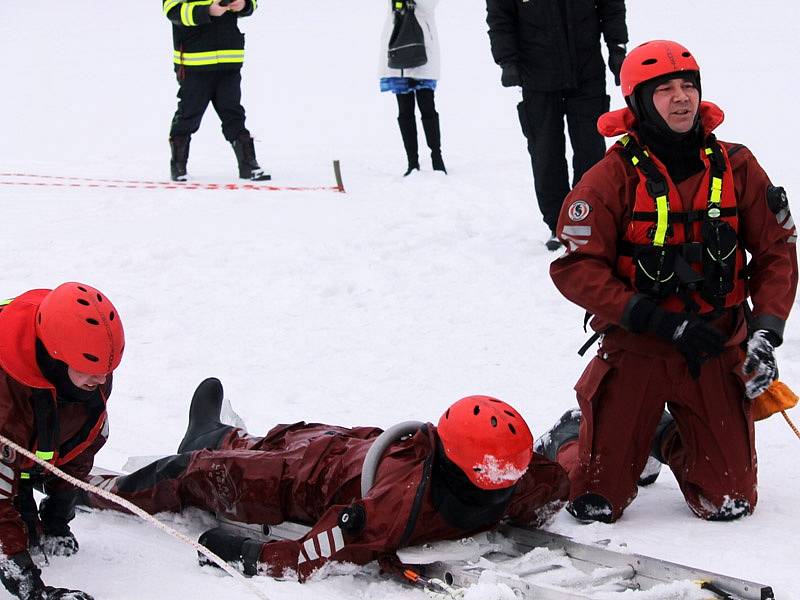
[(85, 381), (677, 100)]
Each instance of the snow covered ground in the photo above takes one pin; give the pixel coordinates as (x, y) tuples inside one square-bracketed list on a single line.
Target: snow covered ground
[(381, 305)]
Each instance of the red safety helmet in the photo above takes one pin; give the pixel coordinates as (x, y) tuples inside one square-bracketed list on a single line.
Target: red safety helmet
[(655, 59), (78, 325), (488, 440)]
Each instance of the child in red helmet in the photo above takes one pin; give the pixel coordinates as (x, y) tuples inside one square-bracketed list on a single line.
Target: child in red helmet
[(58, 349), (438, 482)]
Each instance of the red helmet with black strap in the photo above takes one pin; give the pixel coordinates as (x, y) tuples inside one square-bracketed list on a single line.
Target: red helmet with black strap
[(79, 326), (488, 440)]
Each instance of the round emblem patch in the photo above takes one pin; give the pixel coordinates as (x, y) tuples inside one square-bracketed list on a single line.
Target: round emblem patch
[(8, 454), (579, 210)]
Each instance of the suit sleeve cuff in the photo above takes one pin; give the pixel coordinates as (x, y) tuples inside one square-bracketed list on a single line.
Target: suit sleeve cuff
[(771, 323)]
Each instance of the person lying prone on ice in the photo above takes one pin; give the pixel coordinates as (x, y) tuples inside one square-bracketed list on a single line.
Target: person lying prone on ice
[(465, 475)]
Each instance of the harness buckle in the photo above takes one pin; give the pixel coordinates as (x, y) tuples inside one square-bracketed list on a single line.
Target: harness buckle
[(656, 187)]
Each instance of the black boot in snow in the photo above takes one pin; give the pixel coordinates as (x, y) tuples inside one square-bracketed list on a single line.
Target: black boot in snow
[(245, 151), (434, 138), (179, 147), (656, 459), (408, 129), (565, 430), (205, 429)]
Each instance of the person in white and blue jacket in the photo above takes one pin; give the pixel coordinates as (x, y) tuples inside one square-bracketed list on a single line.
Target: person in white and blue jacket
[(415, 83)]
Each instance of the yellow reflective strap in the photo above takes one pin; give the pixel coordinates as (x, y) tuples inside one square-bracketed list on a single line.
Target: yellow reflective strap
[(24, 475), (662, 209), (186, 17), (170, 4), (255, 4), (199, 59), (709, 151), (634, 160), (6, 302), (716, 190), (44, 455)]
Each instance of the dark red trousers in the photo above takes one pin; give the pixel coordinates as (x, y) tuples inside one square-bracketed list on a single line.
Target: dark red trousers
[(622, 394)]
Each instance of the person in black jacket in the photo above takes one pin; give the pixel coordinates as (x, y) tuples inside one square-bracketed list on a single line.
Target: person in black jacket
[(551, 48), (208, 57)]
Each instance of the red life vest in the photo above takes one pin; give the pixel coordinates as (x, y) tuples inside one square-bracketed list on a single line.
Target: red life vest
[(685, 253)]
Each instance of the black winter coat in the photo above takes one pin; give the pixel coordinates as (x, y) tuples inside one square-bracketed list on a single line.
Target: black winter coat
[(556, 43), (204, 42)]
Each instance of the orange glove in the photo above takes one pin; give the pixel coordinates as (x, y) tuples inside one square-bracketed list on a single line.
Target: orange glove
[(775, 398)]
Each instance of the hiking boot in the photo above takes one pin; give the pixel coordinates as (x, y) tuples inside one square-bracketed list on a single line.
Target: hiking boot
[(653, 466)]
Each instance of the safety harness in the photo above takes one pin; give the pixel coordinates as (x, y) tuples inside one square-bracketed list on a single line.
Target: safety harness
[(688, 257)]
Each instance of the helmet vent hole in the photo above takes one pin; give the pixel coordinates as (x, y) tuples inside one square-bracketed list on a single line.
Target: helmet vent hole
[(99, 298), (650, 61), (494, 421), (447, 414), (511, 428), (83, 302), (39, 318), (495, 400), (509, 413), (686, 54), (90, 357), (91, 321), (111, 316), (476, 410), (83, 289), (476, 469)]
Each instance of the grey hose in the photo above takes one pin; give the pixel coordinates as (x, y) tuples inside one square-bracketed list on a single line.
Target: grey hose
[(378, 447)]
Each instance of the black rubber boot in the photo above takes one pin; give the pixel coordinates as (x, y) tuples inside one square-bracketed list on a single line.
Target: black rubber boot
[(245, 151), (179, 146), (653, 467), (205, 430), (408, 129), (565, 430), (434, 138)]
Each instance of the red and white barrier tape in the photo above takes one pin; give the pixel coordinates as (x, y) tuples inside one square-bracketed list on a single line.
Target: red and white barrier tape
[(33, 180)]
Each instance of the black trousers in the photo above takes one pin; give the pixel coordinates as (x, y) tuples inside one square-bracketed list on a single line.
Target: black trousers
[(425, 101), (541, 115), (198, 88)]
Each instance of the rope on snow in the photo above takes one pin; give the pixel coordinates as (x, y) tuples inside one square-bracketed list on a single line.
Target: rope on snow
[(139, 513)]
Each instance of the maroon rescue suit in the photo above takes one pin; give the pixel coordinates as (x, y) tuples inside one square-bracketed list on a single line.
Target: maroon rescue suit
[(311, 473), (80, 427), (624, 388)]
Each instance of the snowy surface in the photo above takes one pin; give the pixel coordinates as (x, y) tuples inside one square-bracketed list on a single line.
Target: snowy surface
[(370, 308)]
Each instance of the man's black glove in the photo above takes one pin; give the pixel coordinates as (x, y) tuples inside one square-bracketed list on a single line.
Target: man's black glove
[(56, 511), (760, 362), (510, 76), (231, 548), (696, 339), (616, 56), (22, 578)]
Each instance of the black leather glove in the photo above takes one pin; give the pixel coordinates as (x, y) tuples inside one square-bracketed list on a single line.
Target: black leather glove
[(510, 76), (56, 511), (696, 339), (760, 362), (616, 56), (231, 548), (23, 579)]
